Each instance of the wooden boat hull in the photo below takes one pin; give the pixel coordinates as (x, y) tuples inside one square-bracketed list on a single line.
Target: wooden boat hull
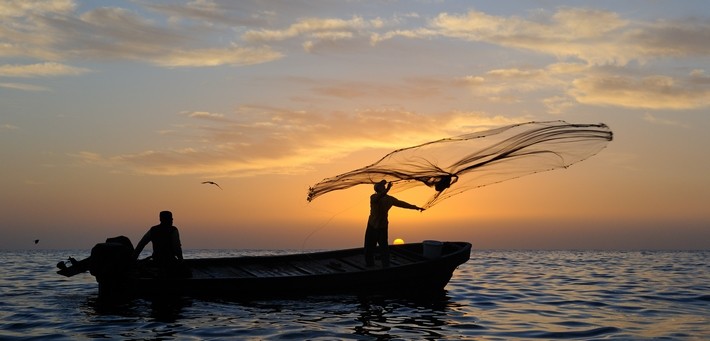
[(329, 272)]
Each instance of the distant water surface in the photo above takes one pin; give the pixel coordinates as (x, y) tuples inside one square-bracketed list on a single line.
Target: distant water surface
[(497, 295)]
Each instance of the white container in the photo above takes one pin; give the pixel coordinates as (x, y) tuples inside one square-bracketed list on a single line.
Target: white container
[(432, 249)]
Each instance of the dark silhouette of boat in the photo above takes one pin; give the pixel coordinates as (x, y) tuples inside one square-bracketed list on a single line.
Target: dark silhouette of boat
[(422, 268)]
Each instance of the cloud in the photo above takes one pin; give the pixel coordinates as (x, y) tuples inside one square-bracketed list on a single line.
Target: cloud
[(269, 140), (236, 56), (210, 13), (593, 85), (19, 8), (324, 28), (49, 69), (558, 104), (674, 38), (698, 77), (649, 92), (8, 127), (206, 115), (513, 83), (56, 33), (569, 32), (516, 74), (407, 89), (648, 117), (567, 68), (207, 33), (23, 87), (321, 33), (594, 36)]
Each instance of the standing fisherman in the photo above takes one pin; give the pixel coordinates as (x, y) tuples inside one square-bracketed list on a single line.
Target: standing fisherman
[(377, 223)]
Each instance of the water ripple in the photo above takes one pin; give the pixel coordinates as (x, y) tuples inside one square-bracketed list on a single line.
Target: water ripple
[(498, 295)]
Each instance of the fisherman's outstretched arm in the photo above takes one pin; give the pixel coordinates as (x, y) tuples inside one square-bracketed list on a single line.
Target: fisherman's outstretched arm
[(141, 244), (404, 204)]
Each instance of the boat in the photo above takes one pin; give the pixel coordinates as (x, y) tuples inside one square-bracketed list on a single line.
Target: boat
[(419, 268)]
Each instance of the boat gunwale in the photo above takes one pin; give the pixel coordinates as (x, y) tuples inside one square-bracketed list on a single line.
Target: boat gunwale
[(241, 262), (328, 253)]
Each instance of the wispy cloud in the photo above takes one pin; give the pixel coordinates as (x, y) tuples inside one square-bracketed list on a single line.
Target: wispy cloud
[(648, 117), (329, 28), (601, 86), (24, 87), (511, 83), (595, 36), (517, 85), (19, 8), (210, 13), (59, 32), (321, 33), (235, 56), (580, 42), (558, 104), (56, 29), (268, 140), (48, 69), (649, 92), (405, 89), (206, 115), (8, 127)]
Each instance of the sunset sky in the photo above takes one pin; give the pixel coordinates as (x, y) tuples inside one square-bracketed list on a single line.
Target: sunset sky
[(111, 111)]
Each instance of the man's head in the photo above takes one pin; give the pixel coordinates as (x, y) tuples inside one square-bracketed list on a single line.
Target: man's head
[(380, 187), (166, 217)]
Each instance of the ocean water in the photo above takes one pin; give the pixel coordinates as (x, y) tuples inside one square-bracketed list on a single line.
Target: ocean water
[(497, 295)]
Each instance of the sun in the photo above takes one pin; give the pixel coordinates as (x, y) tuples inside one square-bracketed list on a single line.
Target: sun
[(398, 241)]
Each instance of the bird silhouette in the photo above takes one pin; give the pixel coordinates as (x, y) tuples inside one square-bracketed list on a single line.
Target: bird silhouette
[(211, 183), (36, 241)]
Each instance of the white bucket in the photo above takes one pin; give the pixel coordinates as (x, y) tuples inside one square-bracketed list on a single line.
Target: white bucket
[(432, 249)]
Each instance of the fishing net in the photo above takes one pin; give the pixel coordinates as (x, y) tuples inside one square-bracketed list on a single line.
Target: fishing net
[(454, 165)]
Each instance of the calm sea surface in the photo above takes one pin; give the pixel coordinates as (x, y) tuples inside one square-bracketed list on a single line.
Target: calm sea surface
[(497, 295)]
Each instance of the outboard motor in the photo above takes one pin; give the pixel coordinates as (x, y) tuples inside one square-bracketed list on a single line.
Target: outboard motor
[(111, 261)]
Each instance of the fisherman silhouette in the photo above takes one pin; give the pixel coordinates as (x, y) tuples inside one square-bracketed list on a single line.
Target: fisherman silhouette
[(167, 250), (378, 224)]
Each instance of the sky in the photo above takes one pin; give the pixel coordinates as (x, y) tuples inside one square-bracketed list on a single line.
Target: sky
[(111, 111)]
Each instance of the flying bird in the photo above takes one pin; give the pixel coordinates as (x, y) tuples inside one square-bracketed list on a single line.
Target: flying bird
[(36, 241), (211, 183)]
